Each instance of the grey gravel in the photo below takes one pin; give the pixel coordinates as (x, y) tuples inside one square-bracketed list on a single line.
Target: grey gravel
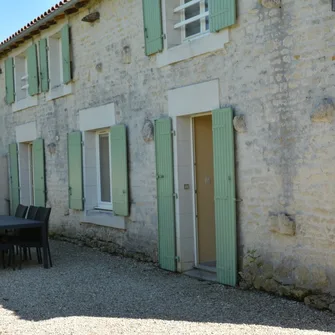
[(89, 292)]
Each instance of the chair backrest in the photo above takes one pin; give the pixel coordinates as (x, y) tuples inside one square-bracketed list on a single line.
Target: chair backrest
[(32, 211), (43, 214), (21, 211)]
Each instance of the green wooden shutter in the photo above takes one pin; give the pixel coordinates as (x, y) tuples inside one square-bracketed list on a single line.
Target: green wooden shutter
[(118, 142), (222, 14), (66, 54), (165, 194), (39, 173), (14, 178), (44, 70), (153, 31), (32, 70), (224, 192), (75, 168), (10, 91)]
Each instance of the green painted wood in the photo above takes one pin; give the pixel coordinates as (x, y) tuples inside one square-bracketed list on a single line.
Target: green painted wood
[(119, 167), (222, 14), (165, 194), (66, 54), (224, 192), (9, 74), (75, 170), (32, 70), (44, 69), (14, 178), (153, 30), (39, 173)]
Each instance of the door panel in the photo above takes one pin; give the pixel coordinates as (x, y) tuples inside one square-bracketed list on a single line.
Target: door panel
[(203, 141)]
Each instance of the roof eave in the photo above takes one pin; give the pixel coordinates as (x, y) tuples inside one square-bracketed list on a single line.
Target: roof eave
[(8, 46)]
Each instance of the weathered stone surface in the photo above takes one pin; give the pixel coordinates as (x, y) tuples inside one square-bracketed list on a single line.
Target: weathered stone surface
[(324, 113), (321, 301), (271, 3), (282, 224), (148, 131), (239, 124)]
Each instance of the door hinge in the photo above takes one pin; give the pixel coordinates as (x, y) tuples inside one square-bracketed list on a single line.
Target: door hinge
[(173, 132), (175, 195), (177, 258)]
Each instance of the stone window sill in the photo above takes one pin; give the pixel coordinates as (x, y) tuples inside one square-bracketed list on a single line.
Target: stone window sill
[(59, 92), (25, 103), (103, 217), (194, 47)]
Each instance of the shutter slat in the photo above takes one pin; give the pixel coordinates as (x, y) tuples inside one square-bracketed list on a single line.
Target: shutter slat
[(9, 73), (165, 194), (14, 178), (222, 14), (75, 168), (118, 138), (32, 70), (153, 30), (39, 173), (66, 54), (44, 70), (224, 193)]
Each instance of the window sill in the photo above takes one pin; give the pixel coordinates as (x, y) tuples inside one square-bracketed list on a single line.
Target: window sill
[(59, 92), (28, 102), (194, 47), (103, 217)]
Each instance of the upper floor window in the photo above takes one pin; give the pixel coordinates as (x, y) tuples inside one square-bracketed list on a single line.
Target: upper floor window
[(194, 18), (21, 76)]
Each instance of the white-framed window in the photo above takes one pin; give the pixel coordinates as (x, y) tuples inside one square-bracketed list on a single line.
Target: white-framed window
[(104, 171), (21, 76), (194, 17)]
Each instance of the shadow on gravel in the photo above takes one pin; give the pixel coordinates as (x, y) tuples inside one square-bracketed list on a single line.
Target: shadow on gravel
[(84, 282)]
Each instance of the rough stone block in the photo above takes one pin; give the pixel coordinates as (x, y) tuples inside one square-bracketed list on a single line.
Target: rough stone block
[(282, 224), (239, 124), (271, 3), (324, 113)]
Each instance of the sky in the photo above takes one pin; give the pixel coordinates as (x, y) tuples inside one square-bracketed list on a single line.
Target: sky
[(17, 13)]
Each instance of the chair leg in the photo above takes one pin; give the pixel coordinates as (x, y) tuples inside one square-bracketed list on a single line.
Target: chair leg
[(49, 253), (20, 258), (39, 256), (29, 254), (3, 259), (12, 251)]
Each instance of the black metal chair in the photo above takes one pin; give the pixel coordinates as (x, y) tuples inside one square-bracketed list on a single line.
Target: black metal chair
[(32, 238), (21, 211)]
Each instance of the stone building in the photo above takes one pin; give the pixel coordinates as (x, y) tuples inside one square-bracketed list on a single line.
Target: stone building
[(239, 93)]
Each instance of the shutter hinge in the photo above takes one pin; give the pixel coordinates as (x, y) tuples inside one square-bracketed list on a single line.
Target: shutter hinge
[(164, 36), (175, 195), (82, 143), (173, 132), (177, 258), (84, 200)]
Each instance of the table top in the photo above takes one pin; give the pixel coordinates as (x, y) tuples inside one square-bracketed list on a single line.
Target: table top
[(12, 222)]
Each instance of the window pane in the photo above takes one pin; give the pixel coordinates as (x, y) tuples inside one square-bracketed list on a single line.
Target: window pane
[(194, 27), (104, 168)]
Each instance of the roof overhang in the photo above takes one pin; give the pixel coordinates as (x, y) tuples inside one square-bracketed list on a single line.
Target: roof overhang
[(43, 22)]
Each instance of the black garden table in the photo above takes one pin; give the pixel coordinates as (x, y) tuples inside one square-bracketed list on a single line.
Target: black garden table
[(12, 222)]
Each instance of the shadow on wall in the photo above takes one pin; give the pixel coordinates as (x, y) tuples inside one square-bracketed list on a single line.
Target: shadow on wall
[(85, 282)]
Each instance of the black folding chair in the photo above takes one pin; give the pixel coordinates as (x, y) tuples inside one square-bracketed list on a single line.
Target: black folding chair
[(32, 238)]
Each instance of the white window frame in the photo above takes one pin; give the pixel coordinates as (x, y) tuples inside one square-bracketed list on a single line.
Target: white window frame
[(103, 204), (202, 17)]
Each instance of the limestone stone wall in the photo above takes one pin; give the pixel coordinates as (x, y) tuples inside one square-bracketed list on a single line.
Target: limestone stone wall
[(276, 71)]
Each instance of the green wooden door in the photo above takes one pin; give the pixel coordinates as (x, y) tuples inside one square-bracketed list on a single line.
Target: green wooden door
[(224, 193), (165, 194), (14, 178), (39, 173), (75, 169), (118, 139)]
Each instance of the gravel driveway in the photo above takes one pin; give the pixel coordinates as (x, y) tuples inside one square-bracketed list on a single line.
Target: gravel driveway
[(88, 292)]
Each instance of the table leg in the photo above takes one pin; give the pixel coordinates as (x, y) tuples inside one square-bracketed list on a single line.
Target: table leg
[(45, 246)]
